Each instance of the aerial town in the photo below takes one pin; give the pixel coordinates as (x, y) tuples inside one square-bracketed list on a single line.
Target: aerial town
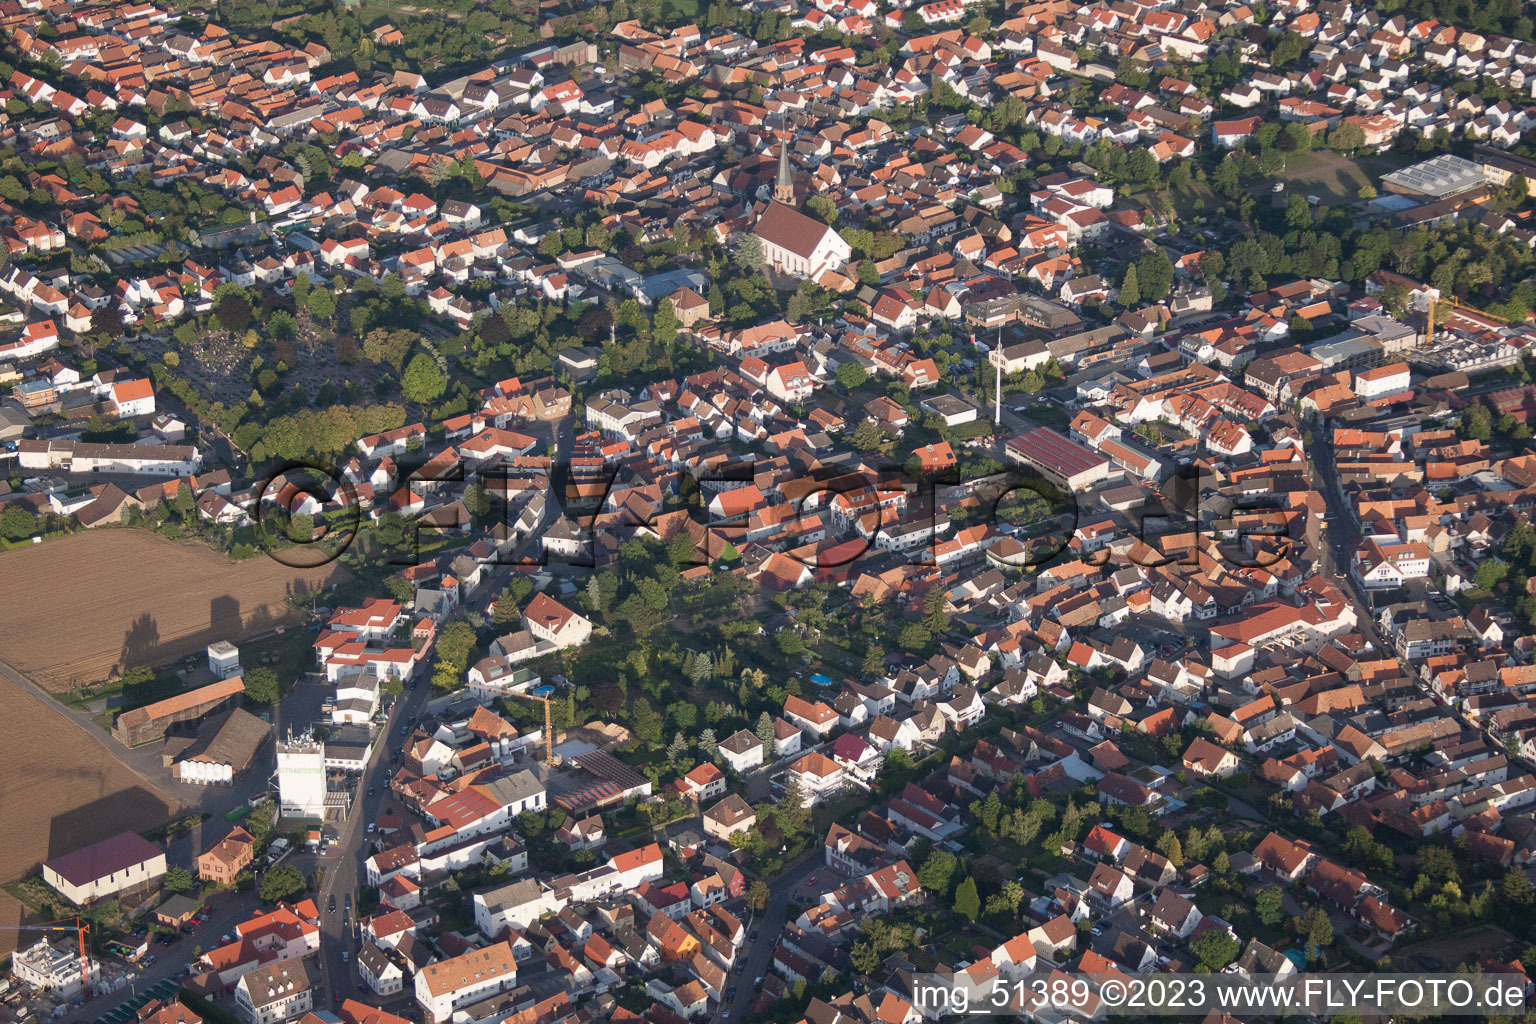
[(663, 511)]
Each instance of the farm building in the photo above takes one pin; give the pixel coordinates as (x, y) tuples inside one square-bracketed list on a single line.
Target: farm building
[(217, 749), (124, 863), (151, 722)]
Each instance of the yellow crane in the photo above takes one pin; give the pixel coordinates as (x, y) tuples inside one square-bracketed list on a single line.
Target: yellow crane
[(69, 924), (1434, 306), (549, 732)]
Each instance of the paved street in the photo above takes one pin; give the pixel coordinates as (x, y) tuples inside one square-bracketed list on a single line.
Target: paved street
[(1343, 539), (758, 953), (343, 863)]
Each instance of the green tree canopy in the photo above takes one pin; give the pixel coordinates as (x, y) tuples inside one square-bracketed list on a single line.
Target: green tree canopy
[(261, 685), (423, 382)]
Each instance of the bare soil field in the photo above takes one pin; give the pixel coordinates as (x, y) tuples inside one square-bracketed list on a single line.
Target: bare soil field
[(60, 789), (79, 608)]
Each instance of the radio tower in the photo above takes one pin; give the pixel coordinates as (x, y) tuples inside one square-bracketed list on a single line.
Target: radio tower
[(997, 393)]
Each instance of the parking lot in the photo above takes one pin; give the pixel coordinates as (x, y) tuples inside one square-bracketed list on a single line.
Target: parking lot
[(129, 1009)]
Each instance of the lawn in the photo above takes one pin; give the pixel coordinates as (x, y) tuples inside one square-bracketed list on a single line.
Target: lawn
[(1184, 199), (1335, 178)]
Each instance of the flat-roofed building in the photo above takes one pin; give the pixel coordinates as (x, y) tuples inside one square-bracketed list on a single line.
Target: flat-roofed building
[(1439, 177)]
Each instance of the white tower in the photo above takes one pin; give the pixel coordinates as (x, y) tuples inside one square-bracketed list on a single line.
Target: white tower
[(301, 777), (223, 659)]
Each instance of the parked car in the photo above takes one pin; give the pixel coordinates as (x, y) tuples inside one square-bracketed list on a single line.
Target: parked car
[(346, 957)]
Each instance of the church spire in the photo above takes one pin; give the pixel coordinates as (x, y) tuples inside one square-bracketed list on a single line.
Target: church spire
[(784, 187)]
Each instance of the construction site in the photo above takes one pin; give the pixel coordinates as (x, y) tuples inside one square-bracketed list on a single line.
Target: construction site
[(1459, 338), (54, 970)]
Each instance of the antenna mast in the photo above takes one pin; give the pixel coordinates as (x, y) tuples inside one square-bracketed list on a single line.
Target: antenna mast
[(997, 394)]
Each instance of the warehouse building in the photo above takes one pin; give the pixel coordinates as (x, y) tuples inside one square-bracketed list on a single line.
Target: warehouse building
[(1437, 178), (1060, 460)]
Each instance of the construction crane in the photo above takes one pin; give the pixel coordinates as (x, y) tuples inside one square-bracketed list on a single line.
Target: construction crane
[(1434, 305), (549, 732), (69, 924)]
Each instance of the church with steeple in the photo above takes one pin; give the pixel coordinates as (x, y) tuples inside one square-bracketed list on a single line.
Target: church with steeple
[(792, 242)]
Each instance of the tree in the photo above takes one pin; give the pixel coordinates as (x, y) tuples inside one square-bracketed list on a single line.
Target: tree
[(178, 879), (1288, 47), (1477, 422), (967, 902), (476, 501), (388, 348), (914, 637), (281, 883), (509, 602), (758, 895), (664, 323), (1347, 137), (1268, 904), (423, 381), (1517, 888), (937, 871), (1315, 927), (1130, 289), (1491, 573), (749, 254), (789, 642), (301, 528), (261, 685), (400, 589), (684, 714), (232, 309), (850, 375), (259, 822), (1215, 949), (765, 733), (17, 523), (1154, 275), (866, 436), (646, 721), (1169, 846)]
